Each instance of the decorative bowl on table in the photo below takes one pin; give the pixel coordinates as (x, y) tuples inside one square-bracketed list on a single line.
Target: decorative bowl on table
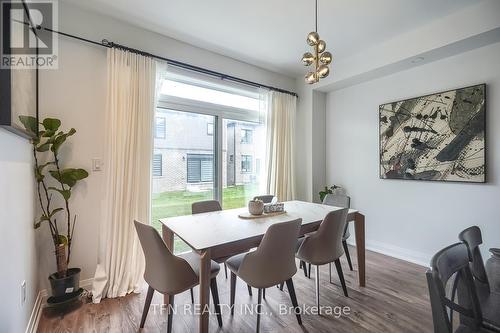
[(256, 207)]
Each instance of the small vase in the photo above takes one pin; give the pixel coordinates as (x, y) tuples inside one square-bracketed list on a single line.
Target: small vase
[(493, 270), (256, 207)]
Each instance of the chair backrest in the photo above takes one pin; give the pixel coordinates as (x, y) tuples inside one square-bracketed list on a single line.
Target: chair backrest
[(164, 272), (452, 261), (205, 206), (338, 200), (325, 245), (273, 261), (266, 198), (472, 238)]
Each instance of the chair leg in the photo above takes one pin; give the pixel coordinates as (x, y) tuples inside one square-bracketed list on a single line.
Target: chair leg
[(192, 296), (147, 304), (225, 269), (215, 297), (264, 293), (309, 271), (341, 276), (348, 256), (304, 267), (249, 290), (330, 271), (170, 313), (259, 302), (293, 297), (281, 285), (233, 292), (317, 285)]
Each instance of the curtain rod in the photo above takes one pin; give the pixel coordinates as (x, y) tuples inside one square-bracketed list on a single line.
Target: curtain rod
[(175, 63)]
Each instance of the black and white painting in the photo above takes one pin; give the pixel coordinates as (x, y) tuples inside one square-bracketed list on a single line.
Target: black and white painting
[(435, 137)]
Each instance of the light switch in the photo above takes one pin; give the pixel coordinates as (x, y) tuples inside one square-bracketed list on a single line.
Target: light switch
[(96, 164)]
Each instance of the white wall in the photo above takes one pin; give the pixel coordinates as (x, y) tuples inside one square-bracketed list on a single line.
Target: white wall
[(76, 93), (18, 260), (413, 219)]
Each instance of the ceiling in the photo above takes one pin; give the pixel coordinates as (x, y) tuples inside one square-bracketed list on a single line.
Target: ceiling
[(271, 33)]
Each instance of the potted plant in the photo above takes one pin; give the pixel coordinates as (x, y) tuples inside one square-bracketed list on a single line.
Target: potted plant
[(328, 190), (52, 179)]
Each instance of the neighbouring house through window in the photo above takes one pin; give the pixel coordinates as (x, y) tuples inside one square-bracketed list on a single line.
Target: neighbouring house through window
[(200, 168), (157, 165)]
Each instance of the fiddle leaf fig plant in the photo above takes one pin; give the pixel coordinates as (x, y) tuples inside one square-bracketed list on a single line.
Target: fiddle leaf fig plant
[(53, 179)]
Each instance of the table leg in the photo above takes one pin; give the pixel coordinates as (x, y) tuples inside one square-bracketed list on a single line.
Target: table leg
[(359, 228), (168, 238), (204, 290)]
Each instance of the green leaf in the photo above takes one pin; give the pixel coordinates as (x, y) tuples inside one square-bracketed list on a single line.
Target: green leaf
[(48, 133), (62, 240), (71, 132), (57, 142), (69, 176), (30, 124), (65, 193), (55, 211), (51, 124), (43, 147)]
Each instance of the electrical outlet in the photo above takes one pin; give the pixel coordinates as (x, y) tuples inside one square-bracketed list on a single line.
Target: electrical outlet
[(23, 292), (96, 164)]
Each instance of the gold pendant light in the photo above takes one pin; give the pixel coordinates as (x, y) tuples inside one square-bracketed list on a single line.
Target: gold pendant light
[(319, 57)]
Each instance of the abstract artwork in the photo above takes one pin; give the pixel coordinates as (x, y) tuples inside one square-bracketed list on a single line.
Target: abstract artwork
[(435, 137)]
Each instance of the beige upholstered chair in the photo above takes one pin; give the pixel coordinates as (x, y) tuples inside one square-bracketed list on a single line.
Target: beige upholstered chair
[(341, 200), (205, 206), (266, 198), (325, 245), (272, 263), (170, 274)]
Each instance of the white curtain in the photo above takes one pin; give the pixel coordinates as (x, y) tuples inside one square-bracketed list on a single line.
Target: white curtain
[(128, 148), (280, 145)]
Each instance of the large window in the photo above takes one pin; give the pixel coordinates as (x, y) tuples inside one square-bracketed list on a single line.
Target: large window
[(200, 168), (213, 148)]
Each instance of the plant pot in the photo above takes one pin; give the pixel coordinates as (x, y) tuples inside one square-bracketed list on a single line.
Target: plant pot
[(493, 270), (66, 285), (255, 207)]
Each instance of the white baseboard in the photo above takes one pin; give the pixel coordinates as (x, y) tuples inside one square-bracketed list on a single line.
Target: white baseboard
[(35, 314), (415, 257)]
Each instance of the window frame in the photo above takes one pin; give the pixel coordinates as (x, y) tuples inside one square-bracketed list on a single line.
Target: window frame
[(164, 134), (200, 158), (245, 138), (160, 165), (245, 158)]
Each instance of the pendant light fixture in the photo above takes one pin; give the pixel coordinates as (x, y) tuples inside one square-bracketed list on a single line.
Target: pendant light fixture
[(319, 58)]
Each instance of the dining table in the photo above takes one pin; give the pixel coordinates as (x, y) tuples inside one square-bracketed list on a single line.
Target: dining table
[(222, 234)]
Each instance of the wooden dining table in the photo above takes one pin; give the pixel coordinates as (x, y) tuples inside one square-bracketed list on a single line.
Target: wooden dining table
[(221, 234)]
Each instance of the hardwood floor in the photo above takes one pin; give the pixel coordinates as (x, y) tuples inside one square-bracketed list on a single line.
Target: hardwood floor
[(395, 300)]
